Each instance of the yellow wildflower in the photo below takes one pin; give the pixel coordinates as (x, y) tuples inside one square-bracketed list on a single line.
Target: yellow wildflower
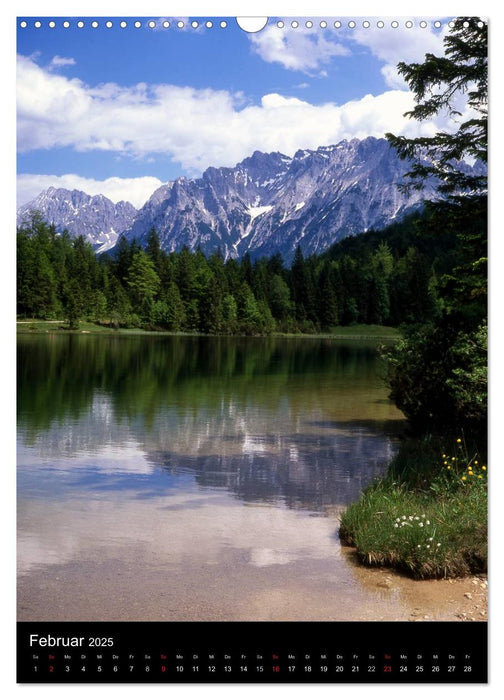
[(479, 476), (484, 468), (459, 440), (464, 478)]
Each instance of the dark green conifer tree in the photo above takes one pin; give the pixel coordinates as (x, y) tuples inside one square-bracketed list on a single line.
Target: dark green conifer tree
[(431, 371)]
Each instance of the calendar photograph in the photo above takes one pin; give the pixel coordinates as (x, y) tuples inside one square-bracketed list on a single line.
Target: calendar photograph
[(251, 344)]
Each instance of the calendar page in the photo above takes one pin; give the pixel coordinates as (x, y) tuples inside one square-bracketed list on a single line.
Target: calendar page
[(252, 349)]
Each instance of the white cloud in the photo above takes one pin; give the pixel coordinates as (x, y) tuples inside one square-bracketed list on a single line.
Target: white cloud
[(401, 44), (306, 50), (60, 61), (393, 78), (194, 127), (135, 190), (296, 49)]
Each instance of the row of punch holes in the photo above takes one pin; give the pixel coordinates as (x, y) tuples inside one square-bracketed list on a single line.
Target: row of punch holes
[(209, 24)]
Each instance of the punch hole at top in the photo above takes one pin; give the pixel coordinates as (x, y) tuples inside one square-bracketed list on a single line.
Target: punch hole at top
[(252, 24)]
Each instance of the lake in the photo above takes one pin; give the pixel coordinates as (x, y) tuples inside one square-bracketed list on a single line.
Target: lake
[(195, 478)]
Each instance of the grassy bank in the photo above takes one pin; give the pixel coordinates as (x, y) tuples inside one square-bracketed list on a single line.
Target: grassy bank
[(357, 332), (37, 326), (427, 516)]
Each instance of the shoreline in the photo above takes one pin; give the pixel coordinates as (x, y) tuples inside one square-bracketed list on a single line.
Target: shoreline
[(385, 597), (357, 332), (464, 598), (196, 577)]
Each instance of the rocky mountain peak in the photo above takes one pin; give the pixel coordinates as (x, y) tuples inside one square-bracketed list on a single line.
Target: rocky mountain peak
[(95, 217), (267, 203)]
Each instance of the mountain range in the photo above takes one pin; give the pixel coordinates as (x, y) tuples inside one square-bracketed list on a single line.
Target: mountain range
[(267, 203), (96, 218)]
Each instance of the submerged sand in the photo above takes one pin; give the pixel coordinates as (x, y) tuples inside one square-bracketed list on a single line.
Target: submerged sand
[(210, 557)]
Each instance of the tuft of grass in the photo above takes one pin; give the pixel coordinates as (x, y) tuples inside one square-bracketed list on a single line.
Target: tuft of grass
[(430, 522)]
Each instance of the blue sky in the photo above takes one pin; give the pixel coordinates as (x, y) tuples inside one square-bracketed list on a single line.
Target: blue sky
[(120, 110)]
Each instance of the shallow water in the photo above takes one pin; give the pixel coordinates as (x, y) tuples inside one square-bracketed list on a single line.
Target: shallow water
[(187, 478)]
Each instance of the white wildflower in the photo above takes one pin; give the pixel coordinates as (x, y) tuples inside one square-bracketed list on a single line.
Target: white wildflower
[(420, 524), (419, 546), (423, 516), (430, 539), (427, 522), (410, 517), (396, 525), (404, 517), (439, 544), (428, 546), (416, 517)]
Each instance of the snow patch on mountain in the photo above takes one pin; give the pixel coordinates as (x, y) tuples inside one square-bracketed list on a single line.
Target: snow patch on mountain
[(254, 212)]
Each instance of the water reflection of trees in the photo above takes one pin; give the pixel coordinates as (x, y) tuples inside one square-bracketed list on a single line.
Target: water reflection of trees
[(59, 374), (265, 419)]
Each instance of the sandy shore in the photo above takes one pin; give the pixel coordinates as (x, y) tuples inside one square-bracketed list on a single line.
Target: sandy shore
[(129, 590), (447, 599), (206, 556)]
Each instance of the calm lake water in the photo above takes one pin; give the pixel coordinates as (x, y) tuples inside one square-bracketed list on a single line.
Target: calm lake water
[(195, 478)]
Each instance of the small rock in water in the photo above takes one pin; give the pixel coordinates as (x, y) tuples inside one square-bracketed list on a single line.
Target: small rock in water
[(384, 584)]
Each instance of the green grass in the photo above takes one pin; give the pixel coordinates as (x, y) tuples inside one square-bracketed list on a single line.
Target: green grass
[(37, 326), (358, 332), (430, 522), (363, 331)]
